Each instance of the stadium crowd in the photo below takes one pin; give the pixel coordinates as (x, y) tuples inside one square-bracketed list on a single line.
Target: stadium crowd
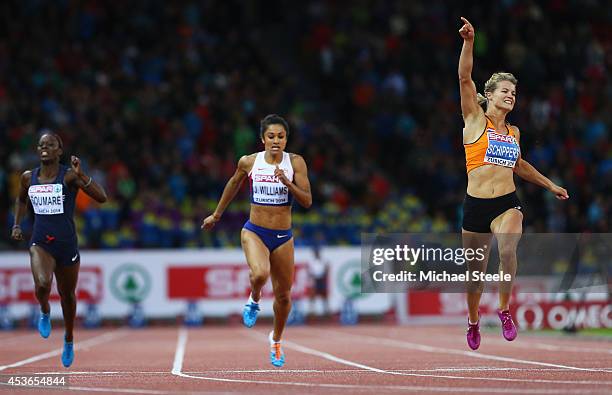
[(160, 99)]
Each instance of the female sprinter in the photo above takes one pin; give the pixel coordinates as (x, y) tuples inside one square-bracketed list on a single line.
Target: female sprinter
[(52, 189), (276, 177), (491, 206)]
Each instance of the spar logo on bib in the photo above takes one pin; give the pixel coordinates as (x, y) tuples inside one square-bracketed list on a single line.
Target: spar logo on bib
[(47, 199), (265, 178)]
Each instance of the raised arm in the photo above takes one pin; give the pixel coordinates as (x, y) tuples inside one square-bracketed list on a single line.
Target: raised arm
[(470, 109), (21, 205), (85, 182), (527, 172), (229, 192), (300, 188)]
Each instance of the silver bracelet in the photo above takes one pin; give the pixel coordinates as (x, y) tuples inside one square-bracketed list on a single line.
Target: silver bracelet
[(88, 182)]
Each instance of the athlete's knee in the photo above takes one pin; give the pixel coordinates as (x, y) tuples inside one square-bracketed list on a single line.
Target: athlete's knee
[(259, 276), (283, 297), (43, 283), (507, 253), (42, 292), (68, 297), (475, 285)]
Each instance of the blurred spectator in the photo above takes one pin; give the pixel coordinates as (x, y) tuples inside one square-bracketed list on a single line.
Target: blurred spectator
[(318, 269), (162, 98)]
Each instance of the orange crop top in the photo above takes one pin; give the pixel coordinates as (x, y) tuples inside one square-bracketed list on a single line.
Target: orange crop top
[(492, 148)]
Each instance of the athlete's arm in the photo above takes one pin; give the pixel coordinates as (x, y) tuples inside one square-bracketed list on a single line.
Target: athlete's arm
[(473, 115), (229, 192), (77, 177), (21, 204), (527, 172), (300, 188)]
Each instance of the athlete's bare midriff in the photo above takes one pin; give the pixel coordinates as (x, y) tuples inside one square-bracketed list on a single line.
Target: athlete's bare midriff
[(490, 181), (271, 217)]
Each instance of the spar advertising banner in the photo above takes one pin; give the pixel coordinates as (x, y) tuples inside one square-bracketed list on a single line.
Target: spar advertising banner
[(163, 281)]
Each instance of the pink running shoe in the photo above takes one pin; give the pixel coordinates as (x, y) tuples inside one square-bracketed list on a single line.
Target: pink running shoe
[(508, 328), (473, 334)]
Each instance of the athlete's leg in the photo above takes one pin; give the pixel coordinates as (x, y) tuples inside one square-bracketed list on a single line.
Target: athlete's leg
[(474, 240), (282, 269), (507, 228), (43, 265), (258, 259), (67, 277)]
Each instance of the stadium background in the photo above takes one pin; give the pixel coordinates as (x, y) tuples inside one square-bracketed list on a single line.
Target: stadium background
[(160, 99)]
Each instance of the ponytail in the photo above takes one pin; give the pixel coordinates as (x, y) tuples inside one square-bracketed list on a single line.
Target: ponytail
[(482, 102)]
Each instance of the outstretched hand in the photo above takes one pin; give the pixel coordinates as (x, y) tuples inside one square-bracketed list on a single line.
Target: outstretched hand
[(560, 192), (209, 222), (467, 30)]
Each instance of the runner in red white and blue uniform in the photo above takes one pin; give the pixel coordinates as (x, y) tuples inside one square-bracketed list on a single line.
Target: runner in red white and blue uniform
[(276, 179)]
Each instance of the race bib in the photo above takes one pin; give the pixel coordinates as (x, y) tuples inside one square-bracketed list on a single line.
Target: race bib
[(502, 150), (267, 189), (47, 199)]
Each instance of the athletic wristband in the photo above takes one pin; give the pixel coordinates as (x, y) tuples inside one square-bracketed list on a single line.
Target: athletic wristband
[(16, 226), (88, 182)]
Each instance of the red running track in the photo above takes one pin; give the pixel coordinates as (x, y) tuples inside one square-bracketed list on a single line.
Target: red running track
[(320, 359)]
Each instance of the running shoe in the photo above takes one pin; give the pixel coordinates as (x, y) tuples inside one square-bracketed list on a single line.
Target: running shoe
[(249, 314), (508, 328), (277, 356), (473, 334), (68, 353), (44, 325)]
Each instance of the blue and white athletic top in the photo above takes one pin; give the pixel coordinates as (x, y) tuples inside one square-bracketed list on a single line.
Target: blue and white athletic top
[(266, 189)]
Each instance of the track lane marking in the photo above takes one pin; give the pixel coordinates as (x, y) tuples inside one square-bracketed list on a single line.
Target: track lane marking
[(91, 342)]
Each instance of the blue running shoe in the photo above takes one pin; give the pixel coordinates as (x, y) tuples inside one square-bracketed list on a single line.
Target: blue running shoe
[(68, 353), (277, 356), (249, 314), (44, 325)]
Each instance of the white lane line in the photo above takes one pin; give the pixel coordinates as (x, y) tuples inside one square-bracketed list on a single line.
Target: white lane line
[(142, 391), (556, 347), (120, 390), (73, 373), (179, 354), (328, 356), (340, 360), (182, 341), (401, 388), (98, 389), (420, 347), (315, 371), (94, 341)]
